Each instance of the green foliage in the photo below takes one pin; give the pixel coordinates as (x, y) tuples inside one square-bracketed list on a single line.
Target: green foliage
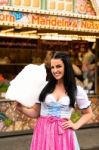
[(3, 88), (75, 116), (8, 122)]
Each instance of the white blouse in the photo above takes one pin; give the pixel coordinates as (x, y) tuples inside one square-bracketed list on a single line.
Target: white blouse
[(61, 108)]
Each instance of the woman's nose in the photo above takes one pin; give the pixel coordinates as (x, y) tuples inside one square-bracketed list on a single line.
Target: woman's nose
[(55, 70)]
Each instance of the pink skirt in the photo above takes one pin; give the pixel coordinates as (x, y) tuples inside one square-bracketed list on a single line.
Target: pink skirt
[(49, 135)]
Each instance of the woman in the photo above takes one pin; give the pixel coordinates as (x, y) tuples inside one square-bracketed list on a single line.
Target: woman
[(54, 129)]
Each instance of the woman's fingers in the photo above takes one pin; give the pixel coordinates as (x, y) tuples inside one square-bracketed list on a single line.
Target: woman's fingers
[(68, 124), (18, 106)]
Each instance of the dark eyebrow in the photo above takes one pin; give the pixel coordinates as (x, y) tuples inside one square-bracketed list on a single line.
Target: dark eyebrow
[(59, 65)]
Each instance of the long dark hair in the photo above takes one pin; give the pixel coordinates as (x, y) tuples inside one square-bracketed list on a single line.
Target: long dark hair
[(69, 80)]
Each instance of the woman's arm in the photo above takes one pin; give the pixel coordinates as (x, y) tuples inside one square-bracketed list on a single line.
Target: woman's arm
[(86, 116), (33, 112)]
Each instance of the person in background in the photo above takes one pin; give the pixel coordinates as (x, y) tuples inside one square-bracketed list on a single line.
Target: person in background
[(88, 69), (54, 129)]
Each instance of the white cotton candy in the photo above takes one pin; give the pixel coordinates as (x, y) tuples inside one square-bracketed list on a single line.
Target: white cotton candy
[(27, 85)]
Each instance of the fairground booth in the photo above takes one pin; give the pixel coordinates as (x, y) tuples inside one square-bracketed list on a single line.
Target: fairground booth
[(30, 31)]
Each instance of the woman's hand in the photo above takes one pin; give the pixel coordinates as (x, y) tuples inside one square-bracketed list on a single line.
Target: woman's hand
[(69, 124), (86, 116), (18, 106), (33, 112)]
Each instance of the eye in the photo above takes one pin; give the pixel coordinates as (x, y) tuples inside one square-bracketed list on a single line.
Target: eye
[(52, 67), (58, 66)]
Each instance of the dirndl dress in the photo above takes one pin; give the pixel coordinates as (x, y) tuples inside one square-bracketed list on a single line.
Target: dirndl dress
[(49, 133)]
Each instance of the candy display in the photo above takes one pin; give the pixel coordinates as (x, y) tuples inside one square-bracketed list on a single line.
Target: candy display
[(12, 120)]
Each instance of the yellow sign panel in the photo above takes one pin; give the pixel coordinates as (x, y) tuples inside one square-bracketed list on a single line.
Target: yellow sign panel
[(48, 21)]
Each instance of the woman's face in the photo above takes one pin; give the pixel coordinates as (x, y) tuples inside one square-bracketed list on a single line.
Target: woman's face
[(57, 68)]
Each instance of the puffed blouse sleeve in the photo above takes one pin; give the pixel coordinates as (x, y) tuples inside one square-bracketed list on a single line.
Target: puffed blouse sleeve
[(82, 100)]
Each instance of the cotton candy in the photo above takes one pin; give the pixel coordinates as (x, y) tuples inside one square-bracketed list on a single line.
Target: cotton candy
[(27, 85)]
